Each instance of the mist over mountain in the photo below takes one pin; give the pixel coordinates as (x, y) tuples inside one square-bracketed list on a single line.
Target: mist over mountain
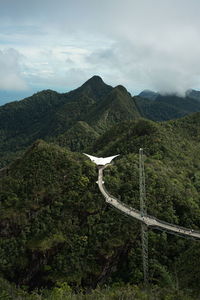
[(166, 107), (67, 231), (147, 94), (193, 94)]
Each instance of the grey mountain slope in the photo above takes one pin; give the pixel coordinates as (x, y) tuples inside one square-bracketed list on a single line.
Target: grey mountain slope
[(148, 94), (167, 107)]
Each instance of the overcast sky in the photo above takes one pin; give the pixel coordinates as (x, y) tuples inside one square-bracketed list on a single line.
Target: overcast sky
[(141, 44)]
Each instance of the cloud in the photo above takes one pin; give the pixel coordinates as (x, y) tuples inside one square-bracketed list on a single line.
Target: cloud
[(10, 73), (141, 44)]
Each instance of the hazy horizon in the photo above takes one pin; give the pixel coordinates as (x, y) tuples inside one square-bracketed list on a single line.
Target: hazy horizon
[(60, 44)]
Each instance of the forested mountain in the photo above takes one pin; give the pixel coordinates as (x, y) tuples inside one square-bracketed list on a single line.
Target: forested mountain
[(56, 226), (162, 108), (92, 108), (57, 233), (116, 107), (48, 115)]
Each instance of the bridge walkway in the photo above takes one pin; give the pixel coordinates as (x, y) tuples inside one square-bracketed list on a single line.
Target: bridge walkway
[(149, 220)]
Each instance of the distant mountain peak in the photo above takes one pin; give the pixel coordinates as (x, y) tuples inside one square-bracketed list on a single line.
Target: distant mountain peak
[(94, 80), (121, 88), (95, 88), (148, 94), (193, 94)]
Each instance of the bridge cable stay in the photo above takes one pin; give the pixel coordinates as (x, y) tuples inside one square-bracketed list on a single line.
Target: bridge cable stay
[(149, 220), (141, 215), (143, 211)]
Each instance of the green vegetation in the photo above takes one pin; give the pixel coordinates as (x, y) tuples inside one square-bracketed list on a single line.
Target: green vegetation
[(56, 227), (73, 119), (78, 137), (58, 237), (115, 292), (116, 107), (168, 107)]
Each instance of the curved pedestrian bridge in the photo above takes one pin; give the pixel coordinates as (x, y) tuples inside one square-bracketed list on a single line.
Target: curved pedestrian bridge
[(149, 220)]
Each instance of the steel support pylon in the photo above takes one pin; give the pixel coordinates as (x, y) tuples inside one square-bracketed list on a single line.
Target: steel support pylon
[(143, 210)]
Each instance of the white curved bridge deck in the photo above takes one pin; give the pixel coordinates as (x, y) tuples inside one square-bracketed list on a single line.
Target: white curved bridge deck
[(150, 221)]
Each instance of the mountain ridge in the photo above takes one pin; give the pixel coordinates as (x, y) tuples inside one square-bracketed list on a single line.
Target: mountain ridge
[(48, 114)]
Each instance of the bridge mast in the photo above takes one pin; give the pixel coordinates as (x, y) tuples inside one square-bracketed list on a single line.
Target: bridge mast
[(143, 211)]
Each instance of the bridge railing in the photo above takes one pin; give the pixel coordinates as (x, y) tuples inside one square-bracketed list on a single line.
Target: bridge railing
[(183, 230), (186, 230), (120, 202)]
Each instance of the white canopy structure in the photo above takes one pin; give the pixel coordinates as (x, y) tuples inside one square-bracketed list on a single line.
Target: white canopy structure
[(101, 161)]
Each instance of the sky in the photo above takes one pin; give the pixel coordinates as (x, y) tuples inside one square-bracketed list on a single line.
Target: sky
[(58, 45)]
